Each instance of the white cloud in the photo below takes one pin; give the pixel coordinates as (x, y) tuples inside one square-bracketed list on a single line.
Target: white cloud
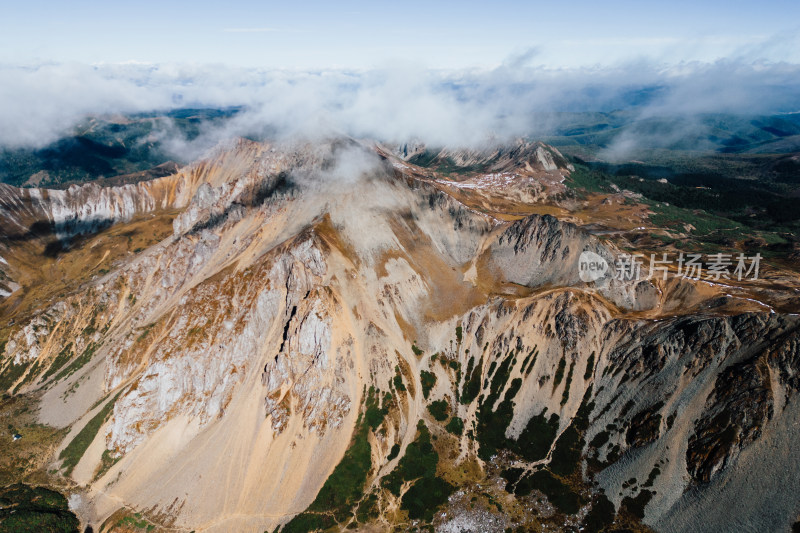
[(40, 103)]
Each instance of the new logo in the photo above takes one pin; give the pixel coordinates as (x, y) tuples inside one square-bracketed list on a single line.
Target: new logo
[(591, 266)]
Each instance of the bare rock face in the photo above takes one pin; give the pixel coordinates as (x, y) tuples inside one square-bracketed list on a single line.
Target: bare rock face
[(542, 251), (519, 155), (83, 209), (744, 399), (220, 330), (200, 356), (302, 378), (199, 209)]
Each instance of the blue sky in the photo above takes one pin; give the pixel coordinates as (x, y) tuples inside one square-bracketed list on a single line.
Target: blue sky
[(359, 34)]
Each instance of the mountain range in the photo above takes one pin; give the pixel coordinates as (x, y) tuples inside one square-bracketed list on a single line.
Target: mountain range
[(337, 333)]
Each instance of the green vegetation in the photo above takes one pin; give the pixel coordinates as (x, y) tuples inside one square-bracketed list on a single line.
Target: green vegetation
[(512, 476), (306, 522), (29, 376), (565, 394), (529, 361), (535, 439), (60, 360), (600, 439), (566, 456), (472, 382), (428, 381), (374, 415), (416, 350), (78, 363), (651, 478), (145, 331), (455, 426), (398, 380), (567, 452), (394, 452), (670, 216), (419, 461), (345, 486), (25, 509), (636, 505), (456, 367), (10, 374), (459, 334), (72, 454), (562, 365), (589, 367), (558, 480), (430, 159), (439, 410), (135, 521), (646, 425), (589, 179), (492, 423), (558, 493), (91, 328), (99, 149), (106, 462), (425, 496), (418, 465), (600, 516), (706, 193), (671, 420), (367, 509)]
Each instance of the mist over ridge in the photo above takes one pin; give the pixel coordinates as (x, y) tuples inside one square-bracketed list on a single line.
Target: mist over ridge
[(40, 104)]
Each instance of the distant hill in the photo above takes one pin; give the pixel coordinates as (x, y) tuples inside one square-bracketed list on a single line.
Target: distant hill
[(105, 147), (724, 133)]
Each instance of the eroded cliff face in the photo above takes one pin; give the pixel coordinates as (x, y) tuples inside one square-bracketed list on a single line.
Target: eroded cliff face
[(306, 312)]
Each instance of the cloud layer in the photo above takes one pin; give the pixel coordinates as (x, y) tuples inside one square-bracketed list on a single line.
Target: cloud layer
[(39, 104)]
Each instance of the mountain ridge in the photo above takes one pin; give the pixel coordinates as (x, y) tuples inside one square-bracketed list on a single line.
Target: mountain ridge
[(304, 289)]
